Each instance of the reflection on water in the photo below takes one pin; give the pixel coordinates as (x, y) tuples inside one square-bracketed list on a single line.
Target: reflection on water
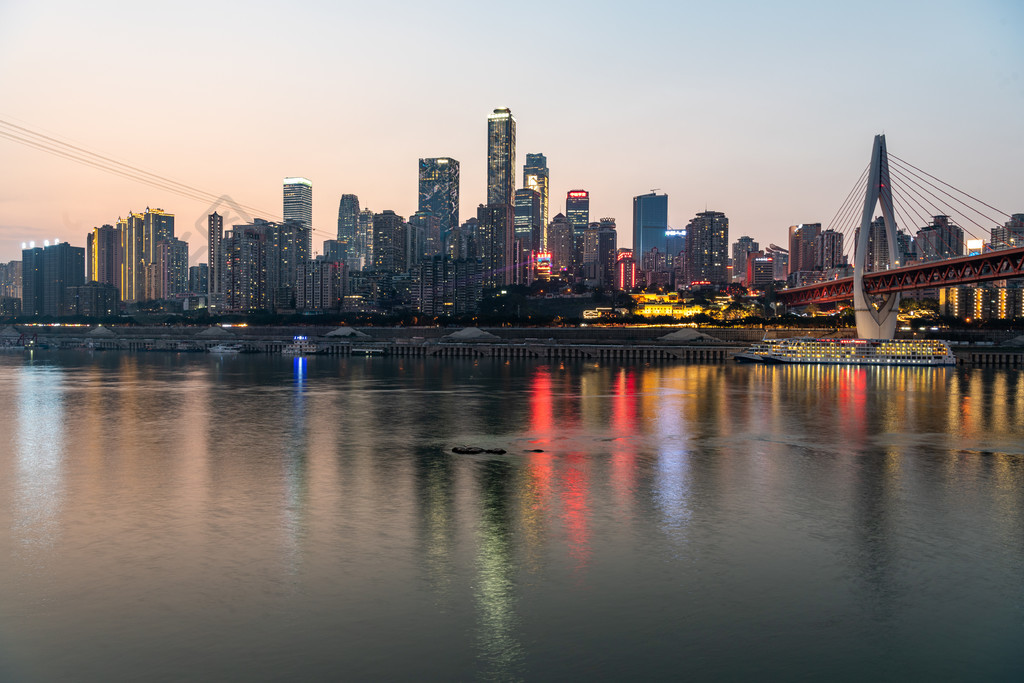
[(264, 517), (40, 451)]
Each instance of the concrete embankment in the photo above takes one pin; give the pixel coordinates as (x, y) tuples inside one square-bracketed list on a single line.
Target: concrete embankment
[(627, 344)]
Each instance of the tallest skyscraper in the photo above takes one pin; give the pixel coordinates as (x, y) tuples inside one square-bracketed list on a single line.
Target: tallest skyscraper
[(501, 157)]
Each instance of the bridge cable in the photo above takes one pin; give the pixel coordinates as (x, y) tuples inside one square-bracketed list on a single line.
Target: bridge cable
[(81, 155), (907, 163)]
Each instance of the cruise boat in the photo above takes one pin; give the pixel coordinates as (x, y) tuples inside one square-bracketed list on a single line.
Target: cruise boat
[(225, 349), (300, 346), (850, 352)]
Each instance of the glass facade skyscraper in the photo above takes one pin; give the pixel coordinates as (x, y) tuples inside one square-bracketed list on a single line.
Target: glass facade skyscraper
[(577, 210), (501, 157), (298, 206), (535, 177), (348, 225), (650, 222), (439, 192)]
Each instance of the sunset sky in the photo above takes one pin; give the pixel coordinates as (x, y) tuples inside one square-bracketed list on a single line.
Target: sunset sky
[(764, 111)]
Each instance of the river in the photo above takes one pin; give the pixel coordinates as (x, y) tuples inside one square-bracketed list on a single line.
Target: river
[(190, 517)]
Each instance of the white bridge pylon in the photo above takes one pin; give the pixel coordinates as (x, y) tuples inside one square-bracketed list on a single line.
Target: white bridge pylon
[(876, 319)]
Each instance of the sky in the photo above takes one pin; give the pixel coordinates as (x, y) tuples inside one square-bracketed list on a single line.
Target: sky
[(764, 111)]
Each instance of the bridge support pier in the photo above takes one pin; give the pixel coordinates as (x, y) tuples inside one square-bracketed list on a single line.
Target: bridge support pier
[(876, 320)]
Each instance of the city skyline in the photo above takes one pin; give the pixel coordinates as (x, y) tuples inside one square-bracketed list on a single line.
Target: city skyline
[(788, 159)]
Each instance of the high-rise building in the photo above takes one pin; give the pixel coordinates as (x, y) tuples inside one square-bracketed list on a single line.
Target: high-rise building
[(625, 270), (501, 157), (828, 250), (801, 246), (321, 285), (131, 230), (741, 249), (426, 235), (215, 259), (10, 280), (942, 239), (439, 194), (262, 264), (535, 177), (245, 269), (607, 247), (93, 300), (364, 241), (577, 211), (298, 206), (158, 226), (168, 273), (447, 286), (650, 222), (707, 248), (560, 245), (103, 255), (497, 242), (527, 228), (389, 238), (1010, 234), (199, 279), (46, 274), (348, 225)]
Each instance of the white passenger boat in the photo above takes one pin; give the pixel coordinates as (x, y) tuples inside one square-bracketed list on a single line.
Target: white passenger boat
[(224, 349), (850, 352)]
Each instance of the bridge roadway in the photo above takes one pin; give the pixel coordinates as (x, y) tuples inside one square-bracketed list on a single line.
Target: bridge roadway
[(994, 265)]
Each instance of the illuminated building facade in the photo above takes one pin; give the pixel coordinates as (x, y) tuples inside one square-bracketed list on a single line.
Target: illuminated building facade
[(741, 249), (364, 241), (215, 259), (199, 279), (527, 228), (447, 286), (650, 222), (942, 239), (802, 239), (560, 245), (828, 250), (497, 241), (1010, 234), (625, 270), (348, 225), (46, 274), (535, 177), (439, 195), (389, 240), (103, 258), (707, 248), (577, 211), (501, 157), (320, 285), (10, 280), (298, 206), (607, 247), (245, 269)]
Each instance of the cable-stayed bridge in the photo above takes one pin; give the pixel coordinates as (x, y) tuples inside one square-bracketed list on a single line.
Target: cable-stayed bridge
[(944, 215)]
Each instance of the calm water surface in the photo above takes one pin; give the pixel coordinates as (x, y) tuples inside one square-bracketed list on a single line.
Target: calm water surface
[(187, 517)]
